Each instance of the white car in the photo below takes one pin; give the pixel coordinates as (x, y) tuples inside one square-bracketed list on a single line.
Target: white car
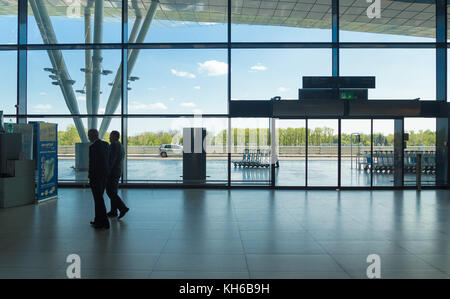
[(170, 149)]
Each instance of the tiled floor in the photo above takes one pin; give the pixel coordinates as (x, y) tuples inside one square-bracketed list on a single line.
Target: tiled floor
[(233, 234)]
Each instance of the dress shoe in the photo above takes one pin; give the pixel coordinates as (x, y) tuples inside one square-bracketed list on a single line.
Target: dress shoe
[(122, 213), (111, 214)]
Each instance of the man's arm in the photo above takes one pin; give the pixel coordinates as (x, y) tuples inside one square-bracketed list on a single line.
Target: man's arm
[(91, 162), (114, 154), (107, 159)]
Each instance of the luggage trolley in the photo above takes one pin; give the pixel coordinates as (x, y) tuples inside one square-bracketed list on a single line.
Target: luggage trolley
[(389, 166)]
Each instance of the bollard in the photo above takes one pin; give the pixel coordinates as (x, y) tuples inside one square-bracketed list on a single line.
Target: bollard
[(419, 172)]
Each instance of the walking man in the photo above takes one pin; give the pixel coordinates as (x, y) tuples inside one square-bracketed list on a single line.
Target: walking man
[(116, 161), (98, 174)]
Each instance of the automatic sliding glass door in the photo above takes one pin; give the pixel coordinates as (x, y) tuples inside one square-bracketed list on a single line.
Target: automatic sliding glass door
[(355, 152), (421, 142), (322, 152), (291, 152)]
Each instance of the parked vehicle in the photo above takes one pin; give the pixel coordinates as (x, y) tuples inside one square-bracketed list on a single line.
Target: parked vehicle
[(170, 149)]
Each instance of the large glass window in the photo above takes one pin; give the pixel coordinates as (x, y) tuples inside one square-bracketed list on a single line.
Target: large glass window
[(8, 82), (291, 152), (250, 151), (177, 21), (58, 22), (263, 74), (73, 155), (391, 21), (281, 21), (178, 76), (355, 152), (8, 22), (156, 146), (179, 82), (322, 152), (383, 152), (395, 76), (78, 83), (421, 141)]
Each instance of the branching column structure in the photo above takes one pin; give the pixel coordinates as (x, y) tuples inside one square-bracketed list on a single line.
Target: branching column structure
[(93, 63), (59, 70), (114, 97)]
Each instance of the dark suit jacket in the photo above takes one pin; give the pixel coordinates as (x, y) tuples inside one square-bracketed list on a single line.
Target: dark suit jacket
[(98, 161), (116, 157)]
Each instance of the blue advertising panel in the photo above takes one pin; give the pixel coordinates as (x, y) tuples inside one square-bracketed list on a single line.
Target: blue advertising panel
[(47, 160)]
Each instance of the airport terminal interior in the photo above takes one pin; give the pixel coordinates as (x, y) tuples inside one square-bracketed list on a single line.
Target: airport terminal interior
[(262, 138)]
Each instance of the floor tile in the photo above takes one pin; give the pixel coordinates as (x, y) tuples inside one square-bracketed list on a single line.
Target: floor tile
[(196, 233), (291, 263), (201, 262)]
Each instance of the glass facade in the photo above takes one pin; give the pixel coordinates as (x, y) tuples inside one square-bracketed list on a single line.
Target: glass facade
[(149, 69)]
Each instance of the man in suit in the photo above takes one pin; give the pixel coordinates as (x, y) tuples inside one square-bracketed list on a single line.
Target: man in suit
[(116, 161), (98, 174)]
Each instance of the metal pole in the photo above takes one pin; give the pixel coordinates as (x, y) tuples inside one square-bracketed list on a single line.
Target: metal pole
[(339, 153), (335, 36), (88, 59), (124, 104), (96, 61), (351, 151), (274, 158), (114, 97), (399, 147), (22, 13), (358, 160), (306, 152), (442, 123), (419, 172), (371, 152), (229, 89)]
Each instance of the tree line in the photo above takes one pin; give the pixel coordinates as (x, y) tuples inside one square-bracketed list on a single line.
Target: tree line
[(287, 137)]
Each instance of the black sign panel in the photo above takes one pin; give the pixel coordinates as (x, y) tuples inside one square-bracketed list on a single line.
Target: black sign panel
[(338, 82)]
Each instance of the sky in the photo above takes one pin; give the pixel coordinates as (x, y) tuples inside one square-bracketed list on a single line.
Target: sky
[(195, 81)]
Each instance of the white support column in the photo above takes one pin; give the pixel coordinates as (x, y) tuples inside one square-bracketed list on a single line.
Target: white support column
[(114, 97), (97, 60), (88, 59)]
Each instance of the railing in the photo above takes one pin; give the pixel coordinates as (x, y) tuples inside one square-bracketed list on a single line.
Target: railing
[(283, 151)]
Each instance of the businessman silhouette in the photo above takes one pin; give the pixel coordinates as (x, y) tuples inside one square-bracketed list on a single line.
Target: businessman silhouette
[(98, 174), (116, 162)]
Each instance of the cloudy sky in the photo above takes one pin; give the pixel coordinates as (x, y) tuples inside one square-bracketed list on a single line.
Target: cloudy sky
[(195, 81)]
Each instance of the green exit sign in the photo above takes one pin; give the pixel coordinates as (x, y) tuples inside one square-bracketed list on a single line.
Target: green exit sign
[(347, 95)]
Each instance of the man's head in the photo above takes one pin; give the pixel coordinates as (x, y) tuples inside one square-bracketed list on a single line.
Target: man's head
[(114, 136), (92, 135)]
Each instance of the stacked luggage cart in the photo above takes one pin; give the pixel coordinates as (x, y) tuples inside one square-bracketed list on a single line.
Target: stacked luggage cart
[(254, 159), (383, 161)]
